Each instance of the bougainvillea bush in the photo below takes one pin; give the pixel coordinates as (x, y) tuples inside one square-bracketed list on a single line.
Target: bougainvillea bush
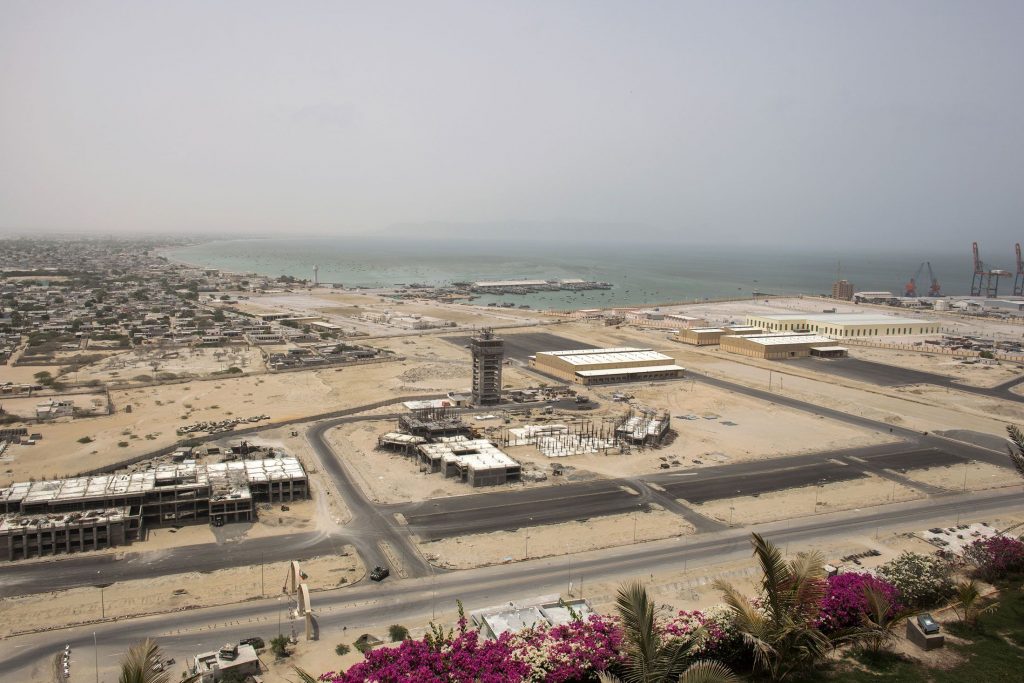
[(720, 639), (560, 654), (996, 557), (576, 651), (845, 603), (922, 580)]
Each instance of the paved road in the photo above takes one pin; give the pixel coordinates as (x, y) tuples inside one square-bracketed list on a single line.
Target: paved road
[(413, 600), (887, 375), (521, 346), (377, 539)]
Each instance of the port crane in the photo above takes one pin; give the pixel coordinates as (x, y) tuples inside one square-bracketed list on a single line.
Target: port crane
[(934, 289), (985, 279), (1018, 281)]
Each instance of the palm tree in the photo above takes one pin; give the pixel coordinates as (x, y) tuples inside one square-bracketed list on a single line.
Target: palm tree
[(1017, 450), (880, 619), (139, 664), (968, 594), (649, 659), (781, 627)]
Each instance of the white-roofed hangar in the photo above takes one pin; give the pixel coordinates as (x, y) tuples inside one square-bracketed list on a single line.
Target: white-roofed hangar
[(606, 366)]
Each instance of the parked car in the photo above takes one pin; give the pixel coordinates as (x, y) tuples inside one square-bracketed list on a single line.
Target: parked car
[(379, 573)]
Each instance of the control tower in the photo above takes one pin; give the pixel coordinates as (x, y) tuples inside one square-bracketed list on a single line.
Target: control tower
[(488, 355)]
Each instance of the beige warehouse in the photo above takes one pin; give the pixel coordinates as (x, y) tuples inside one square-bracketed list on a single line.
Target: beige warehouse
[(845, 325), (783, 346), (605, 366)]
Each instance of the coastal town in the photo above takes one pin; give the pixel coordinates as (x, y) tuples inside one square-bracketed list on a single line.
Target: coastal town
[(154, 407)]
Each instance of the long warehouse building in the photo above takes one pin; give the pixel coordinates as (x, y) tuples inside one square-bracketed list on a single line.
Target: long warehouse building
[(605, 366), (844, 325)]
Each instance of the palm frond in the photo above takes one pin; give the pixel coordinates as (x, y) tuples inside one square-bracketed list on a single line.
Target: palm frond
[(138, 665), (708, 671), (774, 574), (1017, 450), (640, 638)]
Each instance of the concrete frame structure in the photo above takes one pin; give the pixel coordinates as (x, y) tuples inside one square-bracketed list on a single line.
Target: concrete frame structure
[(845, 325), (488, 355), (783, 346), (40, 535), (477, 462), (118, 506)]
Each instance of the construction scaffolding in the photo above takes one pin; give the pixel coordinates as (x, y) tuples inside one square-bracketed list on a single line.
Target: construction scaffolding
[(637, 427), (433, 423)]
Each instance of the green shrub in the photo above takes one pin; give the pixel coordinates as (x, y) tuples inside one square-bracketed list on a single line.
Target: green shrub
[(341, 649), (279, 646), (398, 633), (86, 439), (923, 580)]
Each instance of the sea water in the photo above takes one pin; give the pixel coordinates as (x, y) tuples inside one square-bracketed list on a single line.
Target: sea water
[(641, 273)]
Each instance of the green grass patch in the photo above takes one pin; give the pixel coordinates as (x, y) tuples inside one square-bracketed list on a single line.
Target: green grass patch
[(993, 653)]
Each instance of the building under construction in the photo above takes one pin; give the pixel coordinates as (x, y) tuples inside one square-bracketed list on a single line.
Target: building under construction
[(636, 427), (488, 356), (89, 513), (433, 423)]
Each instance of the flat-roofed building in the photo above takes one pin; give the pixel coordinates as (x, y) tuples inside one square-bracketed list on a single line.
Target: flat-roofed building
[(175, 492), (477, 462), (845, 325), (709, 336), (782, 346), (604, 366)]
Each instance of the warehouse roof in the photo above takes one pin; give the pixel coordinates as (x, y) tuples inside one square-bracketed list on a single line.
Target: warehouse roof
[(777, 339), (845, 318), (625, 354)]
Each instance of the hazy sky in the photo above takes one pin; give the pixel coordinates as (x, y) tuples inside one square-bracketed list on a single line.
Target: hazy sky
[(834, 122)]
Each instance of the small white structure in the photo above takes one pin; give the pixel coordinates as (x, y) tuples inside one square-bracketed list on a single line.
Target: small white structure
[(236, 659), (51, 410)]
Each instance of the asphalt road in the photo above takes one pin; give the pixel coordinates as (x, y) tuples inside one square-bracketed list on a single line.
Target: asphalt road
[(410, 601), (522, 345), (886, 375)]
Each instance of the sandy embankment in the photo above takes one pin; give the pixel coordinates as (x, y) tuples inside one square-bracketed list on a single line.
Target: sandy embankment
[(972, 476), (477, 550), (171, 593), (807, 500)]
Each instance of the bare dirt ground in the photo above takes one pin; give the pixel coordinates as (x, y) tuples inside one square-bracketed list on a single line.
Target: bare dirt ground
[(477, 550), (973, 476), (171, 593), (807, 500), (152, 362), (158, 410)]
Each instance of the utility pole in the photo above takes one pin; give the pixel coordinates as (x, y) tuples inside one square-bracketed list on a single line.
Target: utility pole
[(262, 592), (96, 651)]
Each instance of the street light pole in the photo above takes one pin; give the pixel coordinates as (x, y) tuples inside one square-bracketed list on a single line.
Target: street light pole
[(96, 651)]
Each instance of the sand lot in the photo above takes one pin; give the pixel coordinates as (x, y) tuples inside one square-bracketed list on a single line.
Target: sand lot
[(161, 594), (151, 362), (476, 550), (157, 411), (973, 476), (807, 500)]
